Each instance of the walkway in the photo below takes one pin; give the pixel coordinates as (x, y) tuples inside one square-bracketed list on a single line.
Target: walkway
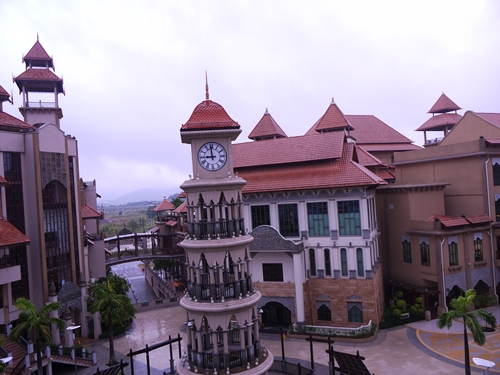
[(415, 349), (140, 290)]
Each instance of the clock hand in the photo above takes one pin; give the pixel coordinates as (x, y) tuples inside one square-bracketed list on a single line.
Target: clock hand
[(211, 153)]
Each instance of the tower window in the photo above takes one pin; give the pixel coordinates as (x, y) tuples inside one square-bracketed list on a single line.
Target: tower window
[(260, 216), (317, 218), (289, 220), (349, 218)]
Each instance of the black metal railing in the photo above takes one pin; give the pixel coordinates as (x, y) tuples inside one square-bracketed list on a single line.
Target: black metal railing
[(209, 292), (9, 261), (213, 229)]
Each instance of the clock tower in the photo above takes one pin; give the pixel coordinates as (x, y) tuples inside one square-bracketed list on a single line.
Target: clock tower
[(221, 304)]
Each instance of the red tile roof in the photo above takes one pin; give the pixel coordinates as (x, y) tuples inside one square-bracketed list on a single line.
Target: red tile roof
[(11, 123), (440, 122), (89, 213), (370, 129), (266, 128), (494, 118), (37, 55), (455, 221), (164, 206), (3, 181), (479, 219), (182, 195), (333, 119), (42, 80), (366, 159), (10, 235), (386, 175), (390, 147), (209, 115), (309, 175), (493, 141), (443, 105), (288, 150), (4, 95), (181, 207)]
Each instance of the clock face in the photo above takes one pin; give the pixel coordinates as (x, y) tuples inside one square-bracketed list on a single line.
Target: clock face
[(212, 156)]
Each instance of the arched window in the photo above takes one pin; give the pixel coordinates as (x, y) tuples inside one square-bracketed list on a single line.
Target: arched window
[(324, 313), (453, 251), (478, 247), (355, 312), (406, 249), (343, 261), (328, 265), (312, 262), (425, 258)]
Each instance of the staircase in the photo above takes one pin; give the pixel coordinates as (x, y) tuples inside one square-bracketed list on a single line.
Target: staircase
[(18, 352)]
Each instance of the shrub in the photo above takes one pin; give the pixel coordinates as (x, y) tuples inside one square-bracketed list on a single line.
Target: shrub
[(401, 304), (484, 300), (398, 294), (397, 313)]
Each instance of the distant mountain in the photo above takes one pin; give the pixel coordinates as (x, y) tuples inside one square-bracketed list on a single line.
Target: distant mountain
[(148, 194)]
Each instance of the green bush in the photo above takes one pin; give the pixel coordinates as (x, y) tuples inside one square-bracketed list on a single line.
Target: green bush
[(484, 300), (398, 294), (401, 304), (116, 331), (397, 313)]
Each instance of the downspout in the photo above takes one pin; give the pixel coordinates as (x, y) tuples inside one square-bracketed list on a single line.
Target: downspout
[(442, 274), (490, 232)]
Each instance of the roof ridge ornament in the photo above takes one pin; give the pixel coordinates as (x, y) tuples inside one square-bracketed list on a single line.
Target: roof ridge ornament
[(206, 86), (333, 100)]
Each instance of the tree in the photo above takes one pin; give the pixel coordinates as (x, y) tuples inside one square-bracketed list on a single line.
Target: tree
[(177, 202), (133, 225), (36, 322), (461, 307), (109, 297)]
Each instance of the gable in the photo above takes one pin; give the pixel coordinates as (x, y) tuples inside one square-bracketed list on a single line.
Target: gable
[(470, 128)]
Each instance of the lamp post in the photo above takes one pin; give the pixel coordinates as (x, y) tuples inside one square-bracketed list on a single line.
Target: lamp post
[(72, 329)]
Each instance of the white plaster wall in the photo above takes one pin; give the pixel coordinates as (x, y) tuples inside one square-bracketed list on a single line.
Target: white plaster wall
[(52, 139), (284, 259), (11, 142)]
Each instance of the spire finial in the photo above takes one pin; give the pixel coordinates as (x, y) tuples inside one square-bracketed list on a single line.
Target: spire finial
[(37, 36), (206, 85), (333, 100), (267, 112)]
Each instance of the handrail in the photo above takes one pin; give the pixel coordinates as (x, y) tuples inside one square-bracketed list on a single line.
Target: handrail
[(18, 370), (23, 342)]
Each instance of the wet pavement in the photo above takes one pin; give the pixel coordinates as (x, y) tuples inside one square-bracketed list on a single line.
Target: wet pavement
[(418, 348)]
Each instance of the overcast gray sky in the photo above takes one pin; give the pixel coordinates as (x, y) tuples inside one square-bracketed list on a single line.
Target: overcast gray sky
[(134, 70)]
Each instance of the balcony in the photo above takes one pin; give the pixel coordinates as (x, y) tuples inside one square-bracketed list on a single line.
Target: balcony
[(214, 229)]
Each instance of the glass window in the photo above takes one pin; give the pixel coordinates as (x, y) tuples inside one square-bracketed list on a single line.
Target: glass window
[(349, 218), (328, 265), (359, 257), (312, 262), (406, 251), (324, 313), (355, 312), (272, 271), (343, 261), (478, 249), (453, 250), (317, 219), (289, 220), (496, 172), (425, 258), (497, 207), (260, 216)]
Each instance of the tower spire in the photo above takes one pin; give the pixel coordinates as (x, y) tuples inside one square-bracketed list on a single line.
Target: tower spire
[(206, 85)]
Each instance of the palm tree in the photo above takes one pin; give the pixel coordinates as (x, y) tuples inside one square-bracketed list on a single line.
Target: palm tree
[(461, 307), (36, 322), (108, 296)]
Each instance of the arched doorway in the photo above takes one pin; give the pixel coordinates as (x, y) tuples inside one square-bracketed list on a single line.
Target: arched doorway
[(482, 288), (276, 315), (455, 292)]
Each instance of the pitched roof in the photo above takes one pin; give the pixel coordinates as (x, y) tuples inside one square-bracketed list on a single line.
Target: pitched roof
[(13, 124), (288, 150), (455, 221), (494, 118), (4, 95), (366, 159), (42, 80), (266, 128), (342, 172), (440, 122), (10, 235), (390, 147), (443, 105), (209, 115), (181, 208), (370, 129), (37, 56), (164, 206), (333, 119), (3, 181), (89, 213)]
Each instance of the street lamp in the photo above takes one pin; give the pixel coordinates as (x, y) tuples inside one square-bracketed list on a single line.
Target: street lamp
[(72, 329), (483, 362)]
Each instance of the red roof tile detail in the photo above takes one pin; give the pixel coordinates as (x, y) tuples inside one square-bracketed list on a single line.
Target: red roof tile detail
[(494, 118), (288, 150), (10, 123), (333, 119), (4, 95), (318, 175), (38, 54), (10, 235), (440, 122), (3, 181), (386, 175), (164, 206), (370, 129), (266, 128), (443, 105), (366, 159), (181, 207), (449, 221), (479, 219), (89, 213), (390, 147), (209, 115), (493, 141)]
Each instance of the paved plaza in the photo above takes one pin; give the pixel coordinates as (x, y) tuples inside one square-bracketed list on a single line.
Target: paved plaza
[(417, 348)]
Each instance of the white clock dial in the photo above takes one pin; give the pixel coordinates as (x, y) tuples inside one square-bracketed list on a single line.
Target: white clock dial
[(212, 156)]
